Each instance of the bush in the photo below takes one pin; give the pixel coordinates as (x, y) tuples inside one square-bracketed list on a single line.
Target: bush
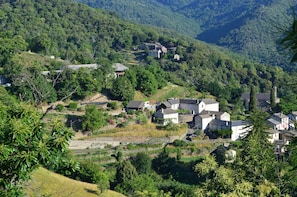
[(142, 119), (59, 107), (112, 105), (72, 106), (179, 143)]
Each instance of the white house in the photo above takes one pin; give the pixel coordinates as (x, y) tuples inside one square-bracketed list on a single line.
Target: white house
[(209, 105), (173, 104), (239, 129), (164, 116), (196, 106), (278, 121), (119, 69), (212, 120), (202, 121)]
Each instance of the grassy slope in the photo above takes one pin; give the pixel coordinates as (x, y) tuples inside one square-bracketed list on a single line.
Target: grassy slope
[(169, 91), (137, 130), (47, 183)]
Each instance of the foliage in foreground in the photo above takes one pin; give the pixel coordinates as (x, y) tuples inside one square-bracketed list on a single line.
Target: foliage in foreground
[(25, 143)]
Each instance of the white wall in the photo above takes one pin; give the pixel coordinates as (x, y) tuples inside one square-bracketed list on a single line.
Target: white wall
[(225, 117), (238, 132), (212, 107), (172, 117)]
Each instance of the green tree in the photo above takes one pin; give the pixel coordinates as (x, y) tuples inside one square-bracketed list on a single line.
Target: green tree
[(125, 172), (87, 83), (163, 164), (272, 98), (257, 159), (206, 167), (25, 143), (10, 45), (102, 180), (131, 75), (288, 39), (122, 89), (159, 74), (147, 82), (143, 182), (93, 118), (142, 162), (253, 100)]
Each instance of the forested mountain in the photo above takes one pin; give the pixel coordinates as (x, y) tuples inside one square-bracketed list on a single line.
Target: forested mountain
[(248, 27), (80, 34), (33, 31)]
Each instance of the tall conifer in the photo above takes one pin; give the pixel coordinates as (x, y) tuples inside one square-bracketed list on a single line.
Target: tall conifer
[(253, 100)]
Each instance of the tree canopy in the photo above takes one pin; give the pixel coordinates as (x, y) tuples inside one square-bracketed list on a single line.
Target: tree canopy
[(25, 144)]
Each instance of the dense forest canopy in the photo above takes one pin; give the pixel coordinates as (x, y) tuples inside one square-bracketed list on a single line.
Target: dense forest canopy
[(247, 27), (33, 31), (81, 34)]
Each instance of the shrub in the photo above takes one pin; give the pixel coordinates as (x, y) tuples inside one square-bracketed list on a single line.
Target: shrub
[(112, 105), (59, 107), (142, 119), (73, 106), (179, 143)]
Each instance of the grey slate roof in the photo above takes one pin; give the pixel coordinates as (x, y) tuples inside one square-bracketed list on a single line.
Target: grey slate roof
[(119, 67), (236, 123), (167, 104), (167, 111), (280, 115), (273, 121), (189, 101), (173, 101), (135, 105), (78, 66), (219, 122), (259, 96), (209, 101)]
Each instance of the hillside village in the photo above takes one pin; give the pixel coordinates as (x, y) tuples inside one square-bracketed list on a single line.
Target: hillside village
[(122, 109), (199, 114)]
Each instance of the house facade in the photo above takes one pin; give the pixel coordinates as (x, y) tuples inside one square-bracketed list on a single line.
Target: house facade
[(239, 129), (164, 116), (195, 106), (278, 121), (208, 120)]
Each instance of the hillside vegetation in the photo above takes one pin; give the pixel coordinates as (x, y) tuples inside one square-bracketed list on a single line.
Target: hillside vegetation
[(79, 34), (47, 183), (34, 34), (251, 27)]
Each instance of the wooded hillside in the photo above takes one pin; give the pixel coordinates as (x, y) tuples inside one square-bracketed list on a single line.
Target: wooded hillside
[(248, 27)]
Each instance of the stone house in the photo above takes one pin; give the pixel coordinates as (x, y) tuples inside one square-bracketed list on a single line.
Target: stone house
[(119, 69), (278, 121), (135, 106), (164, 116), (263, 100), (210, 120)]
